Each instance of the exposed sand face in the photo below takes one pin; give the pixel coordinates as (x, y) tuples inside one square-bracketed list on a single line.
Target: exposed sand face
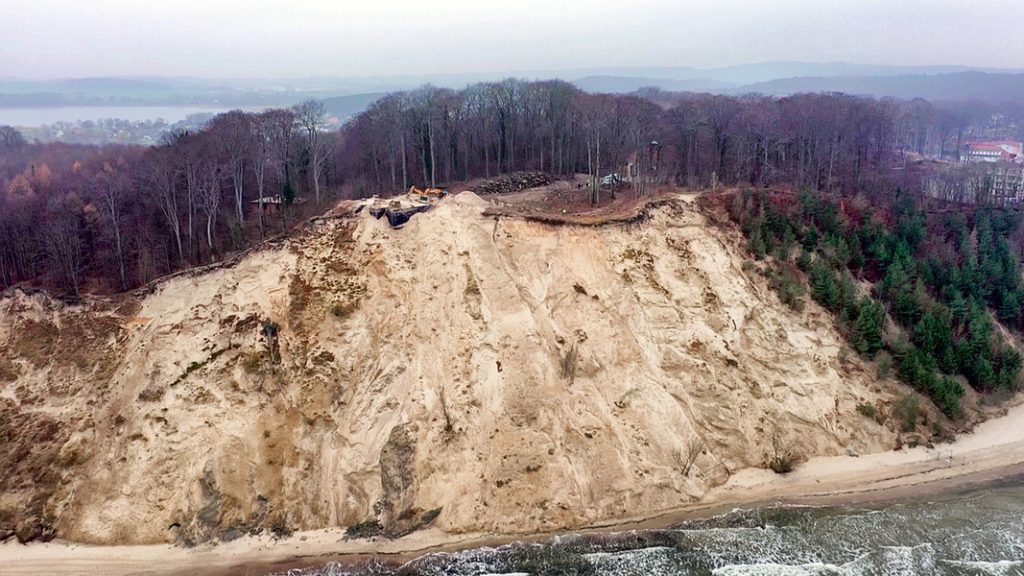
[(519, 377), (994, 450)]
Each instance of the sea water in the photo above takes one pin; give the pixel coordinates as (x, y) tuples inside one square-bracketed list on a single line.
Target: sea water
[(978, 532)]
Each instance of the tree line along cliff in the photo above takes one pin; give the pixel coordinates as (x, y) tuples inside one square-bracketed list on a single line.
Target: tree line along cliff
[(101, 219)]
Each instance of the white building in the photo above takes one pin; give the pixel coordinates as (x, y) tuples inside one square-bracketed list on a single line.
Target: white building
[(993, 151)]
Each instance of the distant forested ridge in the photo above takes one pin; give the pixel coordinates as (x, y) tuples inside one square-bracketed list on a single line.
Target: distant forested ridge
[(958, 86)]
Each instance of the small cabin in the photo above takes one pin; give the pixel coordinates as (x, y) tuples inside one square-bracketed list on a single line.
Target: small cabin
[(272, 204)]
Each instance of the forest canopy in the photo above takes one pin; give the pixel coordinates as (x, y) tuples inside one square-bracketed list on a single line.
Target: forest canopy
[(103, 219)]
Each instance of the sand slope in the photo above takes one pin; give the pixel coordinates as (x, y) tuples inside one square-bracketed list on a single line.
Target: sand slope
[(482, 375), (994, 450)]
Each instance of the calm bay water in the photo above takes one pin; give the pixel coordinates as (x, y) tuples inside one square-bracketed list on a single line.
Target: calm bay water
[(973, 533), (34, 117)]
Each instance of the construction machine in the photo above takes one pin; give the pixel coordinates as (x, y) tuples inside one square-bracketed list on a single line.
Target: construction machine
[(427, 194)]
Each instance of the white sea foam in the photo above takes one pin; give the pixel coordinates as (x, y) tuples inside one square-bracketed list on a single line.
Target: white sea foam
[(1000, 568), (778, 570), (626, 554), (945, 537)]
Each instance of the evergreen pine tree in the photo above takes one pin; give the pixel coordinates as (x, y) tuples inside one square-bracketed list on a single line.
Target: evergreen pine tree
[(803, 262), (869, 328), (823, 286)]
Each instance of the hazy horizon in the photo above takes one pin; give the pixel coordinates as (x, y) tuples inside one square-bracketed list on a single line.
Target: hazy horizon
[(230, 39), (555, 72)]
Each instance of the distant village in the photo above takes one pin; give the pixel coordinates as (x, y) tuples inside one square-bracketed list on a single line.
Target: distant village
[(112, 130), (120, 131)]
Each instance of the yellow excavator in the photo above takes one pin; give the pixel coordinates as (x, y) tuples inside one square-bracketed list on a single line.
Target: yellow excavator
[(430, 195), (436, 192)]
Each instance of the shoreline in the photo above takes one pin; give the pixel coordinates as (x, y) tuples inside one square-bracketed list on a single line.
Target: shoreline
[(993, 452)]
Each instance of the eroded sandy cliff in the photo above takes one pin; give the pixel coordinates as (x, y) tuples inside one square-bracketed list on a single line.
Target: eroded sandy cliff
[(501, 375)]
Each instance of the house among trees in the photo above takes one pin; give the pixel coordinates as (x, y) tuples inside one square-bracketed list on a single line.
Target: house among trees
[(271, 205), (994, 151)]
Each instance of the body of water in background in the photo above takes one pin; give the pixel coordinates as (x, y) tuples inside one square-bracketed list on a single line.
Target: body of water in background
[(35, 117), (980, 532)]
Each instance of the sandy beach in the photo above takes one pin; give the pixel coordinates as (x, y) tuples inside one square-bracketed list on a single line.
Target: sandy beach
[(993, 451)]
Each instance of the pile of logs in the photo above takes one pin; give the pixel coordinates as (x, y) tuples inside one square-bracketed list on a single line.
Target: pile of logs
[(514, 182)]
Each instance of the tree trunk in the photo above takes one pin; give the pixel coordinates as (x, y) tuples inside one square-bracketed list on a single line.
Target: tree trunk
[(190, 179), (120, 251), (120, 261), (391, 154), (237, 180), (405, 173), (260, 171), (433, 170), (209, 236), (316, 176)]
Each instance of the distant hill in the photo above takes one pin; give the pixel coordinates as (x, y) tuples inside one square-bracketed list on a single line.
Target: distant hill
[(946, 82), (766, 71), (741, 74), (155, 91), (93, 86), (116, 85), (983, 86), (622, 84), (345, 107)]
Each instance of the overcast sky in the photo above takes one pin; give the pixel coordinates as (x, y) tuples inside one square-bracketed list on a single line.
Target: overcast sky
[(295, 38)]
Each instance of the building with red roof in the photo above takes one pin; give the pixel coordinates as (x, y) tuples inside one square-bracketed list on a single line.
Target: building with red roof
[(994, 151)]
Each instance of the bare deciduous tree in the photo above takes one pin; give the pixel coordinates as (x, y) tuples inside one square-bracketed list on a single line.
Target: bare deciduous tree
[(11, 138), (161, 176), (261, 157), (310, 116), (233, 133), (113, 187), (209, 186), (689, 457), (63, 242)]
